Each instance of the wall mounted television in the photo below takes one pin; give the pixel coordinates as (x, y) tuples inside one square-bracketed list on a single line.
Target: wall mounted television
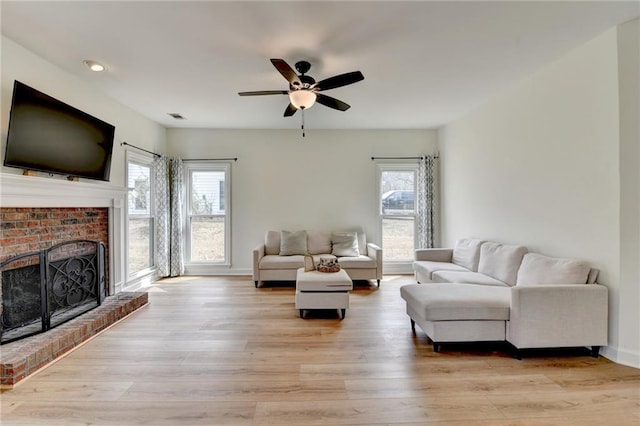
[(50, 136)]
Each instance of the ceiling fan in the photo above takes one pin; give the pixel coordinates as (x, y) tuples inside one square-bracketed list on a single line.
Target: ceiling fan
[(304, 90)]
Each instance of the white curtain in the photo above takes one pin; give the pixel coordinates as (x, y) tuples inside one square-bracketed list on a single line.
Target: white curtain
[(426, 201), (168, 179)]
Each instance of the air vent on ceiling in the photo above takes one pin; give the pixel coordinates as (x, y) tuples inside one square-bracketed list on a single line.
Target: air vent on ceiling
[(177, 116)]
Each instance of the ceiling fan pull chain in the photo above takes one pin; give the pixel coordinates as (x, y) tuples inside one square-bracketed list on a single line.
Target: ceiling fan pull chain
[(302, 127)]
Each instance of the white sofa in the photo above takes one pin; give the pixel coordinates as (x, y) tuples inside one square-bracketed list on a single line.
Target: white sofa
[(270, 263), (486, 291)]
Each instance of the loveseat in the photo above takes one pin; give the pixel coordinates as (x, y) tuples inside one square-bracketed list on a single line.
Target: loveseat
[(487, 291), (282, 254)]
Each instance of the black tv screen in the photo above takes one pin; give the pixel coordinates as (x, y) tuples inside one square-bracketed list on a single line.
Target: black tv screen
[(48, 135)]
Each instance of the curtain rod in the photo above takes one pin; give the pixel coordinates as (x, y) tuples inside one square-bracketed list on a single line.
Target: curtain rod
[(190, 159), (141, 149), (211, 159), (402, 158)]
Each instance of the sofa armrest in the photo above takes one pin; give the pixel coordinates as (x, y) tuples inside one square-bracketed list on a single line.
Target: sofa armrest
[(562, 315), (258, 253), (375, 252), (434, 254)]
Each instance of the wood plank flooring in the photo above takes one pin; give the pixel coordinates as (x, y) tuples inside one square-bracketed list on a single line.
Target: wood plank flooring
[(217, 351)]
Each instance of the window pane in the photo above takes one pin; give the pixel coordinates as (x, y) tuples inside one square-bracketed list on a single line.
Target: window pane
[(207, 239), (140, 238), (398, 238), (139, 186), (207, 193), (397, 192)]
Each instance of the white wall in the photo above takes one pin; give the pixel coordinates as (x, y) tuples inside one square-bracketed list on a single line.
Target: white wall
[(282, 181), (21, 64), (629, 92), (539, 165)]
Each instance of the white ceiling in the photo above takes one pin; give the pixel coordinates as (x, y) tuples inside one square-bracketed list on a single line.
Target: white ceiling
[(425, 63)]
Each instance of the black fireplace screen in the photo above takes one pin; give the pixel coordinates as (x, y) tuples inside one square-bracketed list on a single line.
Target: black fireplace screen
[(43, 290)]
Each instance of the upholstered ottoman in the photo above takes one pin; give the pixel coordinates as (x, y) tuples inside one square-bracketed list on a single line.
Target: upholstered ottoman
[(322, 290), (458, 312)]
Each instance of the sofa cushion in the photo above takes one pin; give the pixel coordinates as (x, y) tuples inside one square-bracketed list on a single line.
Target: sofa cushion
[(293, 243), (357, 262), (319, 242), (272, 242), (345, 244), (428, 268), (274, 261), (540, 269), (362, 243), (466, 253), (466, 277), (457, 302), (501, 261)]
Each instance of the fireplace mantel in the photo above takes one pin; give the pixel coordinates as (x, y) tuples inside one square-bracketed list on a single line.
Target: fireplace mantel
[(35, 191)]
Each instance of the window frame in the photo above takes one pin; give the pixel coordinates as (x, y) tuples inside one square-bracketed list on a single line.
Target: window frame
[(396, 265), (207, 166), (144, 161)]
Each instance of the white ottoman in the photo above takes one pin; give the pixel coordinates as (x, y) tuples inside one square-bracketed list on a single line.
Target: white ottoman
[(322, 290)]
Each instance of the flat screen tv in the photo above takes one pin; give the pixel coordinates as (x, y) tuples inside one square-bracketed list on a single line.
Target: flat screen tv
[(48, 135)]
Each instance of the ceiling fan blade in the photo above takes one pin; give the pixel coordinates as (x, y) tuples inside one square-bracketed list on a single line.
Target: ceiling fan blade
[(340, 80), (263, 92), (290, 110), (286, 71), (332, 102)]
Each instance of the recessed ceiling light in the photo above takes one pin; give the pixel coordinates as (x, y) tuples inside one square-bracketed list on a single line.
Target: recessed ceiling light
[(95, 66)]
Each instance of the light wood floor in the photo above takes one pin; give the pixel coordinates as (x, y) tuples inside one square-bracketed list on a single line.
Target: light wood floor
[(217, 351)]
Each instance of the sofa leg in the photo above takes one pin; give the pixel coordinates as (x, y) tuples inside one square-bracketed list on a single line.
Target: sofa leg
[(301, 313), (517, 353), (595, 350), (378, 283), (344, 313), (256, 283), (436, 347), (413, 326)]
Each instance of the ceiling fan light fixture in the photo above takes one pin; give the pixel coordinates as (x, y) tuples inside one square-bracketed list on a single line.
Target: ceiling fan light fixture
[(302, 99)]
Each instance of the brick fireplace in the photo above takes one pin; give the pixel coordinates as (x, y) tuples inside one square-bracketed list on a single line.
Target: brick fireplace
[(37, 213)]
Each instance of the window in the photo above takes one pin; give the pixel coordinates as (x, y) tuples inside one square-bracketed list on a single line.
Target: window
[(208, 213), (140, 212), (397, 211)]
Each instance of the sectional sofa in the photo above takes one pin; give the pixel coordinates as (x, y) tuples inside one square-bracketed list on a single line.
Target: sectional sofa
[(282, 254), (487, 291)]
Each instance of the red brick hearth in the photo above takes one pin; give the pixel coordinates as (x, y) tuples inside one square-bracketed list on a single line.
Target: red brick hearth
[(24, 357)]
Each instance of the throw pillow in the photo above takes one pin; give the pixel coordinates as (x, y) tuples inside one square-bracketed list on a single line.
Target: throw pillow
[(293, 243), (540, 269), (345, 244)]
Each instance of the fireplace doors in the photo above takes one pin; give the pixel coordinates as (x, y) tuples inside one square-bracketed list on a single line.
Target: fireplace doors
[(42, 290)]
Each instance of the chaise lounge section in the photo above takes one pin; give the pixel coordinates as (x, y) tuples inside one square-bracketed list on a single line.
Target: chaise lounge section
[(486, 291)]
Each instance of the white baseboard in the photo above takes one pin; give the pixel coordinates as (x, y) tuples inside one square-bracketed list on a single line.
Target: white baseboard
[(139, 282), (215, 270), (624, 357)]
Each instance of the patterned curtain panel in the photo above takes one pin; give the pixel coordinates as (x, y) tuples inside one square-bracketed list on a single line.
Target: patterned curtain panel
[(176, 258), (426, 201), (168, 179)]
